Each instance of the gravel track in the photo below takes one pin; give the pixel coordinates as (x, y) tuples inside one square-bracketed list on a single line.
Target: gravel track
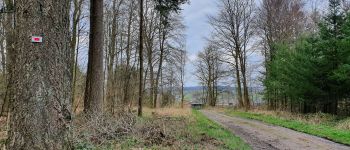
[(262, 136)]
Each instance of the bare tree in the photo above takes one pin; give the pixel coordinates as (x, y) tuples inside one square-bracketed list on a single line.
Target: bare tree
[(112, 54), (77, 11), (232, 32), (128, 70), (280, 21), (41, 88), (151, 25), (208, 70)]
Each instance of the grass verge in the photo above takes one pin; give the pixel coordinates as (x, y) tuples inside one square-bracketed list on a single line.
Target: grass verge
[(320, 130), (203, 125)]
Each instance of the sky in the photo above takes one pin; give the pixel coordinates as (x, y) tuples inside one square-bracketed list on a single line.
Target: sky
[(197, 28)]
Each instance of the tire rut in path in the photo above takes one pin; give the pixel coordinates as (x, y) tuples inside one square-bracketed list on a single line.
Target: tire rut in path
[(261, 136)]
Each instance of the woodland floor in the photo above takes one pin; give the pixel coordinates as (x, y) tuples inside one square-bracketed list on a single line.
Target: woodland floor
[(261, 136)]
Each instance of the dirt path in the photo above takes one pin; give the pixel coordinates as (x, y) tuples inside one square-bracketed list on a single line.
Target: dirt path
[(261, 136)]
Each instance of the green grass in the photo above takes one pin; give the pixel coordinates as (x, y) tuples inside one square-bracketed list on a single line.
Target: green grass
[(325, 131), (203, 125)]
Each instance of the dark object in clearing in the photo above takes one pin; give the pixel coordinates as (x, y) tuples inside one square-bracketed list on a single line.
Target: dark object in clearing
[(197, 105)]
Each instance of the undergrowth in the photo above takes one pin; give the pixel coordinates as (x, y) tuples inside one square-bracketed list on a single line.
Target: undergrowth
[(174, 129)]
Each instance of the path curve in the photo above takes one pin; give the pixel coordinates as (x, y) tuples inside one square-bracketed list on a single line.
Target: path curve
[(261, 136)]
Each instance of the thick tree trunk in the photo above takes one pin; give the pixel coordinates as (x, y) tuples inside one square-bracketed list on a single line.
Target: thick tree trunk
[(238, 80), (247, 103), (93, 100), (246, 100), (41, 94)]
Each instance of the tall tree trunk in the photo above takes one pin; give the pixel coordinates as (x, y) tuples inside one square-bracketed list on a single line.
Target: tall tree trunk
[(238, 80), (246, 100), (40, 102), (161, 58), (182, 77), (247, 103), (149, 48), (93, 100), (128, 57), (74, 40), (182, 95), (3, 56), (9, 36), (2, 46), (75, 75), (111, 76), (140, 98)]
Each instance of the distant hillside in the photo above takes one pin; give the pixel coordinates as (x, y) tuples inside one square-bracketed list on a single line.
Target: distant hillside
[(193, 88), (221, 88)]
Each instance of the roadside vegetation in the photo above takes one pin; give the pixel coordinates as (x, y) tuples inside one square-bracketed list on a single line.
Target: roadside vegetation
[(165, 128), (205, 126), (327, 126)]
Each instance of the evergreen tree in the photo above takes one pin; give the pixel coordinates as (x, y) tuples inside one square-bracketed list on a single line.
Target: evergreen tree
[(314, 72)]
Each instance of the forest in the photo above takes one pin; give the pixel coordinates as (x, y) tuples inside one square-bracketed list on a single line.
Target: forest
[(305, 54), (317, 78), (116, 74)]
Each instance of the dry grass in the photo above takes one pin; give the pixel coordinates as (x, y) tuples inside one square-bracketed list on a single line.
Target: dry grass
[(168, 112), (162, 128), (344, 124), (101, 131), (314, 118), (167, 128)]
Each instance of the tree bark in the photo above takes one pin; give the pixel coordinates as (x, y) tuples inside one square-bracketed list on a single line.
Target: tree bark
[(238, 80), (247, 103), (182, 77), (246, 100), (140, 98), (93, 100), (41, 91)]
